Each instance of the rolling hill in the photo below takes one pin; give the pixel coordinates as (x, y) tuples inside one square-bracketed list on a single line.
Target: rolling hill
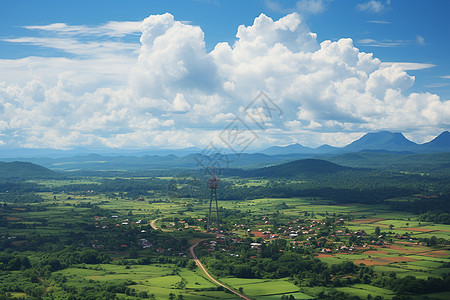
[(297, 168), (25, 170)]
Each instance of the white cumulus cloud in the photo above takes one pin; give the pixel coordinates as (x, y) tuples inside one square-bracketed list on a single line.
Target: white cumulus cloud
[(169, 91), (374, 6)]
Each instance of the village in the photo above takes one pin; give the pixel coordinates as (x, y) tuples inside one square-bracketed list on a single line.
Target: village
[(324, 237)]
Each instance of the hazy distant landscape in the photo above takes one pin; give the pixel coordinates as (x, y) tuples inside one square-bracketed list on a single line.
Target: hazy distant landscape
[(381, 149)]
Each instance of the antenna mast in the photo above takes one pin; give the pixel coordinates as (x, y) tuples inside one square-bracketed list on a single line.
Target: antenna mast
[(213, 183)]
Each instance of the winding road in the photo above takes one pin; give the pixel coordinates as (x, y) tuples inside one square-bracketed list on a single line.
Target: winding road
[(152, 223), (200, 265)]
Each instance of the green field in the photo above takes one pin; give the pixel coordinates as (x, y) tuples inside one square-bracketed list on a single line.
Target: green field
[(363, 290), (265, 289), (85, 221)]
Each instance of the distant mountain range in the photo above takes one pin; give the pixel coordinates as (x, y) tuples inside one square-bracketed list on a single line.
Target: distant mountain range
[(299, 149), (57, 153), (383, 141)]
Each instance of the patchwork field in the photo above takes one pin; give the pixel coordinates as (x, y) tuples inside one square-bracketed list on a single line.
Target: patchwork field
[(81, 217)]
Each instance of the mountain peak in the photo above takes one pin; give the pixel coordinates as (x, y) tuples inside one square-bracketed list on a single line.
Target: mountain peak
[(442, 140), (382, 140)]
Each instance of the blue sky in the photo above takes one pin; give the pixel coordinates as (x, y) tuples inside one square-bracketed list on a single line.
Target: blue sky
[(88, 73)]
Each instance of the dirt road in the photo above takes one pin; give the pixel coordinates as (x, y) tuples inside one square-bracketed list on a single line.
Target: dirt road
[(152, 223), (200, 265)]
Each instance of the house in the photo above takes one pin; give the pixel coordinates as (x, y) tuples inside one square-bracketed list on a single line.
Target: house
[(255, 245), (259, 234)]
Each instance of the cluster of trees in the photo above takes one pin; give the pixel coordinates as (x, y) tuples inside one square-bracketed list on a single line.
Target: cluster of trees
[(412, 285), (21, 187), (33, 276), (75, 255), (338, 194), (432, 207), (117, 185), (26, 281), (434, 241), (10, 262), (20, 198), (435, 217)]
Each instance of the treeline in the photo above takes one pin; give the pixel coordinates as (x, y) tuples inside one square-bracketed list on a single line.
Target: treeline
[(363, 186), (354, 185), (74, 255), (140, 186), (9, 186), (337, 194), (412, 285), (21, 198), (432, 209), (21, 192), (435, 217)]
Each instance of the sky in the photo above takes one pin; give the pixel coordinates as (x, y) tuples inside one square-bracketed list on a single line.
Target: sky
[(207, 73)]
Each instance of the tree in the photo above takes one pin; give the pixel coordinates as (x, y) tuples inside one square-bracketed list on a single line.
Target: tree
[(432, 242), (377, 231)]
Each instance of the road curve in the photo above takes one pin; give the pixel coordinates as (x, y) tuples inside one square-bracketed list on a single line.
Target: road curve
[(152, 223), (200, 265)]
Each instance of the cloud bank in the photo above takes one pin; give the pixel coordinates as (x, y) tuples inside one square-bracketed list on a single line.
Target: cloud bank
[(166, 90)]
